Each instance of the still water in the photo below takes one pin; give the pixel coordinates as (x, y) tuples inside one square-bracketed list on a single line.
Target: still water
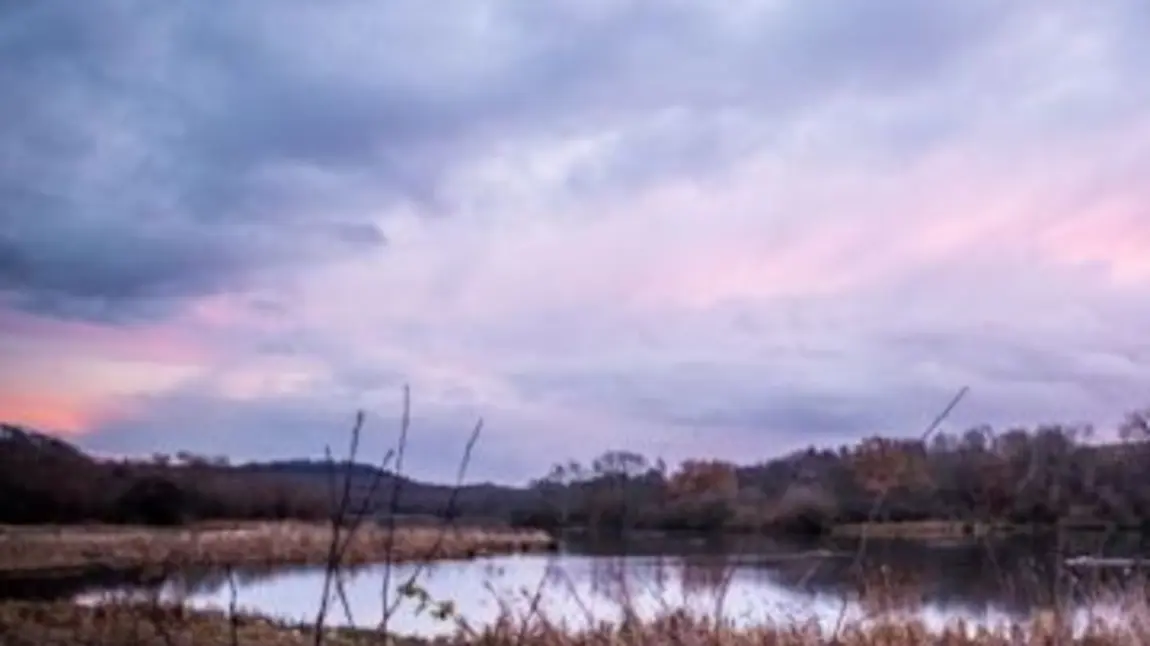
[(746, 580)]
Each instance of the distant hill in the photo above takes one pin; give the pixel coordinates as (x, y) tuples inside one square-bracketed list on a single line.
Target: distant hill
[(18, 442), (42, 477), (414, 497), (40, 473)]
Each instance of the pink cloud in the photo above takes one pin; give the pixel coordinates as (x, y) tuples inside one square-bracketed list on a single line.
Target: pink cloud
[(165, 342), (67, 376), (1114, 236)]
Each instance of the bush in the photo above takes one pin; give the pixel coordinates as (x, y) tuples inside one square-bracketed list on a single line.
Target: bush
[(807, 510), (153, 500)]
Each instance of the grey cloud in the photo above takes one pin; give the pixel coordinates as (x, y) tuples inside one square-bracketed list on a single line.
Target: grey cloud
[(767, 411), (882, 360), (119, 192), (153, 152), (738, 401)]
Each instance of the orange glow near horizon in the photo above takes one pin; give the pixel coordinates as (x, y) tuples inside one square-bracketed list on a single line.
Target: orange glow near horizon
[(52, 414), (65, 377)]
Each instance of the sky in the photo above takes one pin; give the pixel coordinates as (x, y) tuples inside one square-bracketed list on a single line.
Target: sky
[(704, 228)]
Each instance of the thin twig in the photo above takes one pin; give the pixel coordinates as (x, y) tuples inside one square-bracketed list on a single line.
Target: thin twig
[(337, 519), (533, 607), (355, 520), (422, 563), (881, 499), (233, 600), (724, 589), (392, 508)]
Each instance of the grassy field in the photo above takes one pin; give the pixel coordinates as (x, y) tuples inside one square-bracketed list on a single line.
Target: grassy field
[(71, 550), (25, 624)]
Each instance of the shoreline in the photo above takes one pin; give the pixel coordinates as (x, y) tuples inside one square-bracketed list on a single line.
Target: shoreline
[(930, 530), (914, 530), (46, 552)]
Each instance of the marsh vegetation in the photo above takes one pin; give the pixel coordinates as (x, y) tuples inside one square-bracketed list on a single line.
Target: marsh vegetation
[(47, 551)]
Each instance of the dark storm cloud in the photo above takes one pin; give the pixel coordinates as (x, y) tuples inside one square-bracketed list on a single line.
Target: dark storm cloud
[(151, 152), (131, 177)]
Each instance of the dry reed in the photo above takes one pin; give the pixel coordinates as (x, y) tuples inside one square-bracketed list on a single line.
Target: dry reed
[(145, 624), (290, 543)]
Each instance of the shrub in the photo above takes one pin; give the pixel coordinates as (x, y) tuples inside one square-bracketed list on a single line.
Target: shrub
[(154, 500), (805, 509)]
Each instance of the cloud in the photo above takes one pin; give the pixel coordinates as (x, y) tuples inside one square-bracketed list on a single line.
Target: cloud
[(679, 226), (154, 154), (124, 193)]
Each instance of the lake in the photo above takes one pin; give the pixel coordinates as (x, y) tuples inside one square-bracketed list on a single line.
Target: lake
[(752, 580)]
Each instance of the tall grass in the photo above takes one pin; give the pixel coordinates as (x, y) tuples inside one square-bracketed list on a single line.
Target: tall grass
[(144, 624)]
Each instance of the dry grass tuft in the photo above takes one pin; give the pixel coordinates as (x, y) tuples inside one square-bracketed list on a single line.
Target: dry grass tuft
[(144, 624), (684, 630)]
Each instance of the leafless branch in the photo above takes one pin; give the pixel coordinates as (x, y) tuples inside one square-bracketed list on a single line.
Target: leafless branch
[(233, 612), (433, 551), (881, 498), (338, 517), (393, 508)]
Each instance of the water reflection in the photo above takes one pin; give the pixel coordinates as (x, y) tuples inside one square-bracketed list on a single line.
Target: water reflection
[(749, 580)]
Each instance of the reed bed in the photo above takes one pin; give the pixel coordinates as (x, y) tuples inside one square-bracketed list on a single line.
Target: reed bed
[(144, 624), (288, 543), (683, 630)]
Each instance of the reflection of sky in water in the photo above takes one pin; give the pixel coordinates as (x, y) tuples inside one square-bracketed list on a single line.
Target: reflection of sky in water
[(578, 588)]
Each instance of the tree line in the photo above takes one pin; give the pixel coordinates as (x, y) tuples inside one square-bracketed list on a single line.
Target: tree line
[(1032, 476), (1050, 474), (45, 480)]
